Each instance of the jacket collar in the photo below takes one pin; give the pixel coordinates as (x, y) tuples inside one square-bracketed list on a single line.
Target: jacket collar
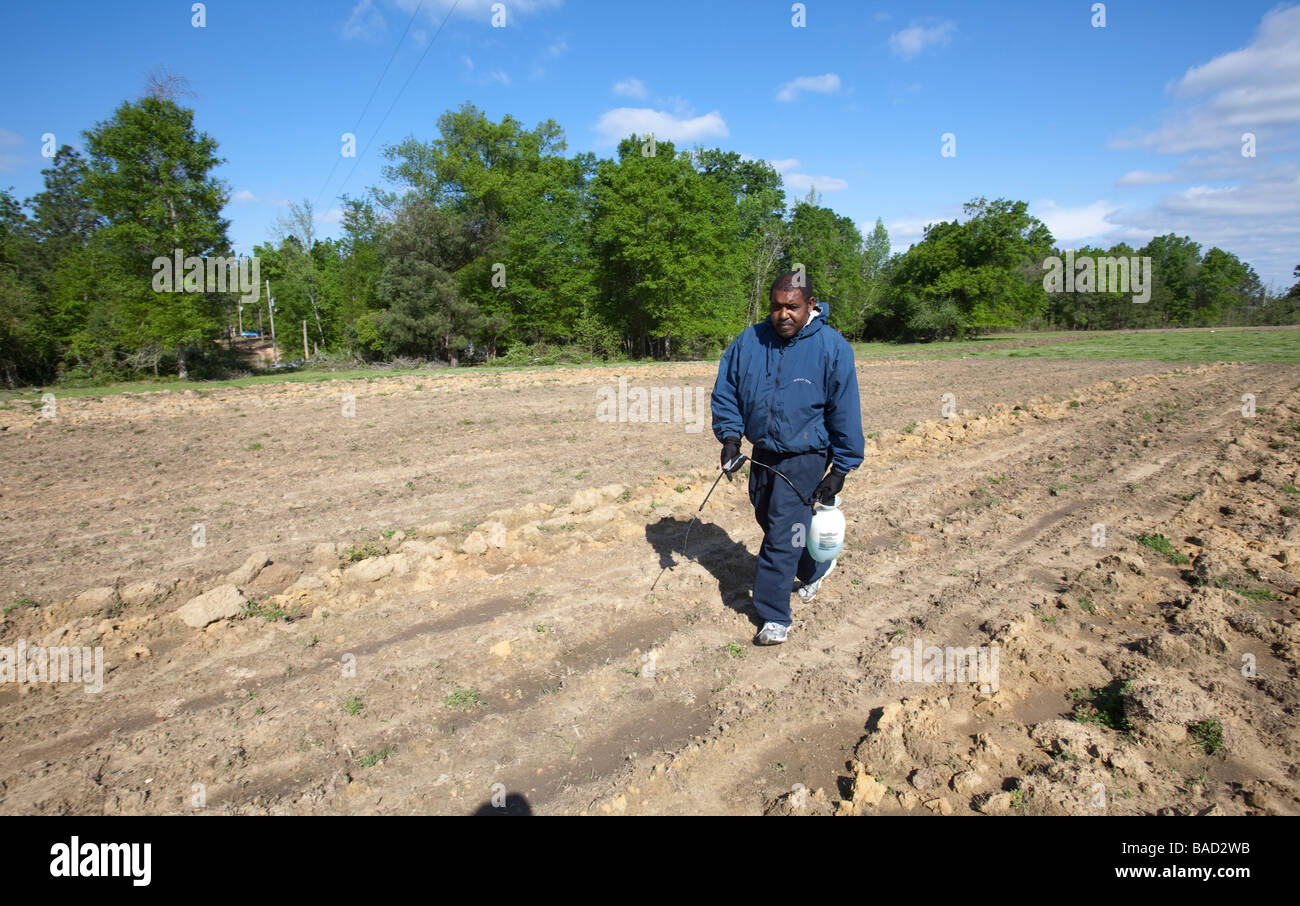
[(811, 326)]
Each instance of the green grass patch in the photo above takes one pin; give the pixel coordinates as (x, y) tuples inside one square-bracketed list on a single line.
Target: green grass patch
[(1102, 706), (273, 613), (1234, 344), (1160, 544), (21, 602), (354, 554), (463, 699), (1207, 734), (372, 759), (1221, 345)]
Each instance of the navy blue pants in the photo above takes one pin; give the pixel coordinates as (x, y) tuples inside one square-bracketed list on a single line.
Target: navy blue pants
[(784, 554)]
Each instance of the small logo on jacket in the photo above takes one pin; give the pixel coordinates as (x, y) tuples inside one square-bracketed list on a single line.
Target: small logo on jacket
[(802, 380)]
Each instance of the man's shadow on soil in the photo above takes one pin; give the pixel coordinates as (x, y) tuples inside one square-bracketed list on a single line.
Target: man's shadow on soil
[(728, 561)]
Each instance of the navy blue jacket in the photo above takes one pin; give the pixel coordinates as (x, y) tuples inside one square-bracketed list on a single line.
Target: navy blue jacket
[(794, 396)]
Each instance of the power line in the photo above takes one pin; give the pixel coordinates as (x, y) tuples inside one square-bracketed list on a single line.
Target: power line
[(399, 94), (373, 91)]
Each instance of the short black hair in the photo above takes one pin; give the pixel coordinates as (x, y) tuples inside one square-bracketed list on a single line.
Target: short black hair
[(790, 281)]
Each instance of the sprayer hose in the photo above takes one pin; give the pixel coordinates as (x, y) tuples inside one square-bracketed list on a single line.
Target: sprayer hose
[(742, 457)]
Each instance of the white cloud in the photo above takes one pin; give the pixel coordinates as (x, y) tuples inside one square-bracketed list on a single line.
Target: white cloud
[(498, 77), (479, 10), (557, 48), (9, 139), (1068, 224), (631, 88), (801, 182), (333, 215), (919, 35), (469, 63), (1073, 224), (1144, 178), (364, 23), (1276, 196), (1254, 89), (617, 124), (822, 84), (243, 195), (1255, 220), (908, 232)]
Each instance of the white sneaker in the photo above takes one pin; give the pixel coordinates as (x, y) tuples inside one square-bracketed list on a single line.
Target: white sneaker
[(807, 592), (771, 634)]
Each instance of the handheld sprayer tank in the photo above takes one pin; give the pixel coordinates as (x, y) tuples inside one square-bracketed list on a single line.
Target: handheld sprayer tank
[(826, 531)]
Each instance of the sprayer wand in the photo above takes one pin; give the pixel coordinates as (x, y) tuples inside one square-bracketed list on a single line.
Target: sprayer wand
[(727, 470)]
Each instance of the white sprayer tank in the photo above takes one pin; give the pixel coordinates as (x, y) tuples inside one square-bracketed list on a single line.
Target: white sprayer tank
[(826, 533)]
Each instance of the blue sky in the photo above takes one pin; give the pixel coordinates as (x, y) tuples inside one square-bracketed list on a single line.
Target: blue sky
[(1110, 133)]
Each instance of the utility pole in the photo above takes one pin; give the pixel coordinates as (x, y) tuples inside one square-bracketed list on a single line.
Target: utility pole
[(270, 304)]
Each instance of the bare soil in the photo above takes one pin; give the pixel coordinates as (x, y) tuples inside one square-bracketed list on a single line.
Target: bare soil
[(472, 589)]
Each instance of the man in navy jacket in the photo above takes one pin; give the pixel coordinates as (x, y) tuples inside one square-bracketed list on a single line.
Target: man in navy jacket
[(789, 385)]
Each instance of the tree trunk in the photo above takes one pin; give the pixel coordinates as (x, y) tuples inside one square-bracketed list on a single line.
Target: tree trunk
[(316, 312), (181, 371)]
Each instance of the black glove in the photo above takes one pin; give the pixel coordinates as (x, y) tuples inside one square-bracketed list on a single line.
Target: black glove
[(730, 453), (831, 485)]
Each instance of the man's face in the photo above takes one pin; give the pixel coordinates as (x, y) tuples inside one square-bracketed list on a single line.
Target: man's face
[(789, 312)]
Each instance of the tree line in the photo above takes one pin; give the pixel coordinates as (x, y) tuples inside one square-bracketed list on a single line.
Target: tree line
[(498, 245)]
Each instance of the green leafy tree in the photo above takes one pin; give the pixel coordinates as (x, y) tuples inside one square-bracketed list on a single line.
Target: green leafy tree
[(1223, 284), (760, 207), (829, 247), (25, 339), (671, 273), (866, 317), (360, 264), (523, 208), (150, 177), (1175, 261), (989, 268), (302, 265), (425, 314)]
